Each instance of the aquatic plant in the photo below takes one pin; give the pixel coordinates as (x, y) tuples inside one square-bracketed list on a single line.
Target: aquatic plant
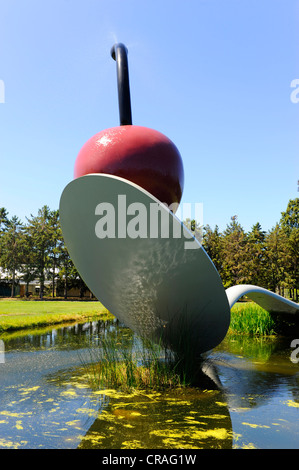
[(250, 319), (134, 364), (131, 362)]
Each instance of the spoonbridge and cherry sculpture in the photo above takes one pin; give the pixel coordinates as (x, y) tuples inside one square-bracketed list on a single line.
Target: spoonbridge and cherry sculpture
[(139, 260)]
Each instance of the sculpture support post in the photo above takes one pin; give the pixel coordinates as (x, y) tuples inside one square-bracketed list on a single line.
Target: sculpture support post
[(119, 54)]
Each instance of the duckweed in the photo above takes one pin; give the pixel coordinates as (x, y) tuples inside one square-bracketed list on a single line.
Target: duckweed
[(59, 409)]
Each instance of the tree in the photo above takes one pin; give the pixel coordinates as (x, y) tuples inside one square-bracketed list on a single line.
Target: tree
[(55, 243), (290, 218), (277, 258), (3, 219), (194, 228), (28, 267), (11, 252), (234, 254), (290, 224), (256, 262), (66, 268), (75, 280), (39, 229), (212, 243), (68, 275), (293, 248)]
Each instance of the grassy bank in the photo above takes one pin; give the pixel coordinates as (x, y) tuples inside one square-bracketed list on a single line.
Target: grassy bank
[(19, 314), (248, 318)]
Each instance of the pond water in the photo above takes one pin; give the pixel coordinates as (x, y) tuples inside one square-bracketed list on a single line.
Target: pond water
[(250, 401)]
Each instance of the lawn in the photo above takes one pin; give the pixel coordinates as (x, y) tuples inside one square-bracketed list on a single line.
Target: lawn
[(246, 318), (18, 314)]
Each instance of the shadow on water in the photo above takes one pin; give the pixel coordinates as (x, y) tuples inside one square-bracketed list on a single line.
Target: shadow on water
[(189, 418), (246, 395)]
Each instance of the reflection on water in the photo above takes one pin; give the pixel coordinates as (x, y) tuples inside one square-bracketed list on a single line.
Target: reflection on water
[(252, 399), (261, 385), (174, 420)]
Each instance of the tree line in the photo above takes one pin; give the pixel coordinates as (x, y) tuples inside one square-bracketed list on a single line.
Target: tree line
[(270, 259), (36, 251), (266, 259)]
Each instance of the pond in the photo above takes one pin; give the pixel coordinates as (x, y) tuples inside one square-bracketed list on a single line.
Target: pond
[(250, 400)]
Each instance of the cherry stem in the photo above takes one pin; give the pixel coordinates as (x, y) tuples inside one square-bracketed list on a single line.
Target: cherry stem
[(119, 53)]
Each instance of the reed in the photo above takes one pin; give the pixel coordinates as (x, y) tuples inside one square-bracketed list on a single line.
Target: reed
[(137, 363), (140, 365), (250, 319)]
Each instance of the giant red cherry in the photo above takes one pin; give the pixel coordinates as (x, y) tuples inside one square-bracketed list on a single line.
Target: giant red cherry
[(139, 154)]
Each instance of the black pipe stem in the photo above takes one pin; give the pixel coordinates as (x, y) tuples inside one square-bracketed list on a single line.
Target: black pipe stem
[(119, 53)]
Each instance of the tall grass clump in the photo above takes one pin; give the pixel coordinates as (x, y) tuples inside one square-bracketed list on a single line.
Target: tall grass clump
[(140, 365), (251, 319)]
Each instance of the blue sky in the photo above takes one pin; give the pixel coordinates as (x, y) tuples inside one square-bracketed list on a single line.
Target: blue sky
[(213, 75)]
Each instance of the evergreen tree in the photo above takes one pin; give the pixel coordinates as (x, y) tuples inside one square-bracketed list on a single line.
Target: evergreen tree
[(28, 267), (277, 258), (290, 224), (234, 254), (293, 247), (212, 243), (11, 252), (39, 229), (256, 262), (3, 219), (55, 243), (270, 260), (290, 218), (66, 268), (194, 228)]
